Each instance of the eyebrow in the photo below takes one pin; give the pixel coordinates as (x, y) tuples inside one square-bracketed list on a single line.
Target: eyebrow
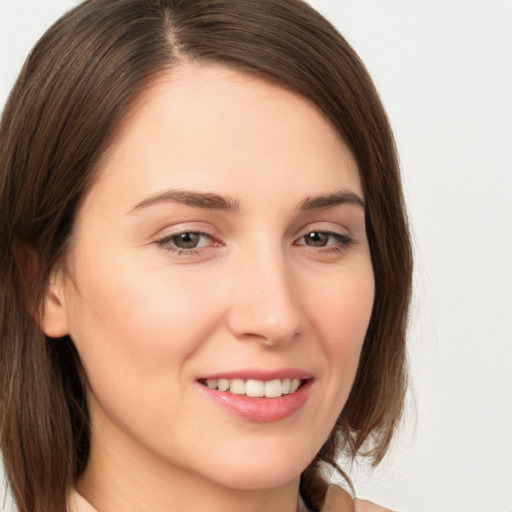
[(210, 201), (207, 201), (331, 200)]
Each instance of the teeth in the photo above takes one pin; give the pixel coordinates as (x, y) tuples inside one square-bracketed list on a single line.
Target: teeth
[(237, 387), (273, 388), (212, 383), (223, 384), (255, 388), (294, 385)]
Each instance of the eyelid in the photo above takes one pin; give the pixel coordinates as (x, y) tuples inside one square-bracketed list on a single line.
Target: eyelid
[(342, 237), (326, 226), (166, 242)]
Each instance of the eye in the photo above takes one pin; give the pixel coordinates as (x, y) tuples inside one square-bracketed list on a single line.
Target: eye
[(186, 241), (322, 239)]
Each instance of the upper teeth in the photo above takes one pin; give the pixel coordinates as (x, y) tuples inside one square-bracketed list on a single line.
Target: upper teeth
[(255, 388)]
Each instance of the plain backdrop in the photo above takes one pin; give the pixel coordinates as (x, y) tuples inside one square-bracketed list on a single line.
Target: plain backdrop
[(444, 72)]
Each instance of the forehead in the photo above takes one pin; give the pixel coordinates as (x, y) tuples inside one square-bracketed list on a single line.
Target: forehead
[(211, 128)]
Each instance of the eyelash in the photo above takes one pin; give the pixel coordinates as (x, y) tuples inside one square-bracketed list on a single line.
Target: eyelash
[(343, 242), (168, 241)]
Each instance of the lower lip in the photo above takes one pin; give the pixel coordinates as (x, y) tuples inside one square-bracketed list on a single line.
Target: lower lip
[(260, 410)]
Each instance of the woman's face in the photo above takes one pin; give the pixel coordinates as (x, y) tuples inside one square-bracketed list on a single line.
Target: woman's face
[(223, 244)]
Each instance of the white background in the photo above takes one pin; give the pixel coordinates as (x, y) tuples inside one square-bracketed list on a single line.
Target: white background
[(444, 71)]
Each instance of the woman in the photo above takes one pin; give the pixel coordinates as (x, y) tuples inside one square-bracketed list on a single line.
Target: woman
[(205, 263)]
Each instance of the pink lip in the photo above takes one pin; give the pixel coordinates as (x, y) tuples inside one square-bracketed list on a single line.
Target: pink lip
[(259, 410), (259, 374)]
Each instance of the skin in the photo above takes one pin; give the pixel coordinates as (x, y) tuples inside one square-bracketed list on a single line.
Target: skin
[(149, 321)]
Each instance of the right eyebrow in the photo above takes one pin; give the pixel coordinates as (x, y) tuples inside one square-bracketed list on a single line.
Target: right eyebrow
[(207, 201), (326, 201)]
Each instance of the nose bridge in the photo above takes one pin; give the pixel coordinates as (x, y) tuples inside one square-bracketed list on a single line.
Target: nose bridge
[(264, 304)]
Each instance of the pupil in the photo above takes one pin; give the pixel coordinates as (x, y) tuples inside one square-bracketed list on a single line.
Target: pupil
[(187, 240), (317, 239)]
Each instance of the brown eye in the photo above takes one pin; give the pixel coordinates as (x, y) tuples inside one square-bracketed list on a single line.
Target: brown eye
[(325, 239), (186, 240), (188, 243), (317, 239)]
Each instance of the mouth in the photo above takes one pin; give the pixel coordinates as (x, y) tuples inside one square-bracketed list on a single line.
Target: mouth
[(259, 396), (254, 388)]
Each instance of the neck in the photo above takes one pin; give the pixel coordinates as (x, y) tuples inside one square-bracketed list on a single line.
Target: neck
[(135, 480)]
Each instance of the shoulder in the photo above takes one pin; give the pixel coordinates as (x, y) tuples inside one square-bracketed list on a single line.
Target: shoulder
[(339, 500), (368, 506), (77, 503)]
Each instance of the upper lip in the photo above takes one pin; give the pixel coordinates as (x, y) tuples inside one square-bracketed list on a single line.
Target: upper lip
[(260, 374)]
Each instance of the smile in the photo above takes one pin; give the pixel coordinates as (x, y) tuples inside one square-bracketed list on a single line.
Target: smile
[(255, 388)]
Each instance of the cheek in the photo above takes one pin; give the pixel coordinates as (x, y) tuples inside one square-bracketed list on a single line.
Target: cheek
[(135, 334), (344, 311), (345, 306), (134, 321)]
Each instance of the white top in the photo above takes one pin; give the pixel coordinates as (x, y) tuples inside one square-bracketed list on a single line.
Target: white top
[(336, 500), (77, 503)]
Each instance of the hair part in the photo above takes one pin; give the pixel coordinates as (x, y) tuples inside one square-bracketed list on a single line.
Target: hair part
[(74, 90)]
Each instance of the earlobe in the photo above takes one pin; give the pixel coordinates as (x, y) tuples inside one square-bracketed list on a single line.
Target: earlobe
[(51, 314), (54, 318)]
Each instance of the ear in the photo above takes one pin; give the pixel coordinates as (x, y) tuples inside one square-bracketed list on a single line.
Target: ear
[(54, 320)]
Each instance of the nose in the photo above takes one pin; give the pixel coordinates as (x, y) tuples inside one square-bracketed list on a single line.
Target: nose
[(264, 299)]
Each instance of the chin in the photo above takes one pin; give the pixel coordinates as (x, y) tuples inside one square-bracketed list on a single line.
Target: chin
[(264, 467), (254, 479)]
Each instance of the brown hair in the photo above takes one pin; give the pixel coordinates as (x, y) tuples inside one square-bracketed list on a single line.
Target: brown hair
[(76, 86)]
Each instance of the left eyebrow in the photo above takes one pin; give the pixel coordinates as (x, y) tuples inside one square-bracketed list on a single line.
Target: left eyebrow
[(331, 200), (207, 201)]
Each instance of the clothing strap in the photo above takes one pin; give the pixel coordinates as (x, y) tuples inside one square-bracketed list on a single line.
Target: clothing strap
[(338, 500)]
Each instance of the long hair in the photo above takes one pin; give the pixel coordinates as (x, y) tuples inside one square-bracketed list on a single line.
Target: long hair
[(74, 90)]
